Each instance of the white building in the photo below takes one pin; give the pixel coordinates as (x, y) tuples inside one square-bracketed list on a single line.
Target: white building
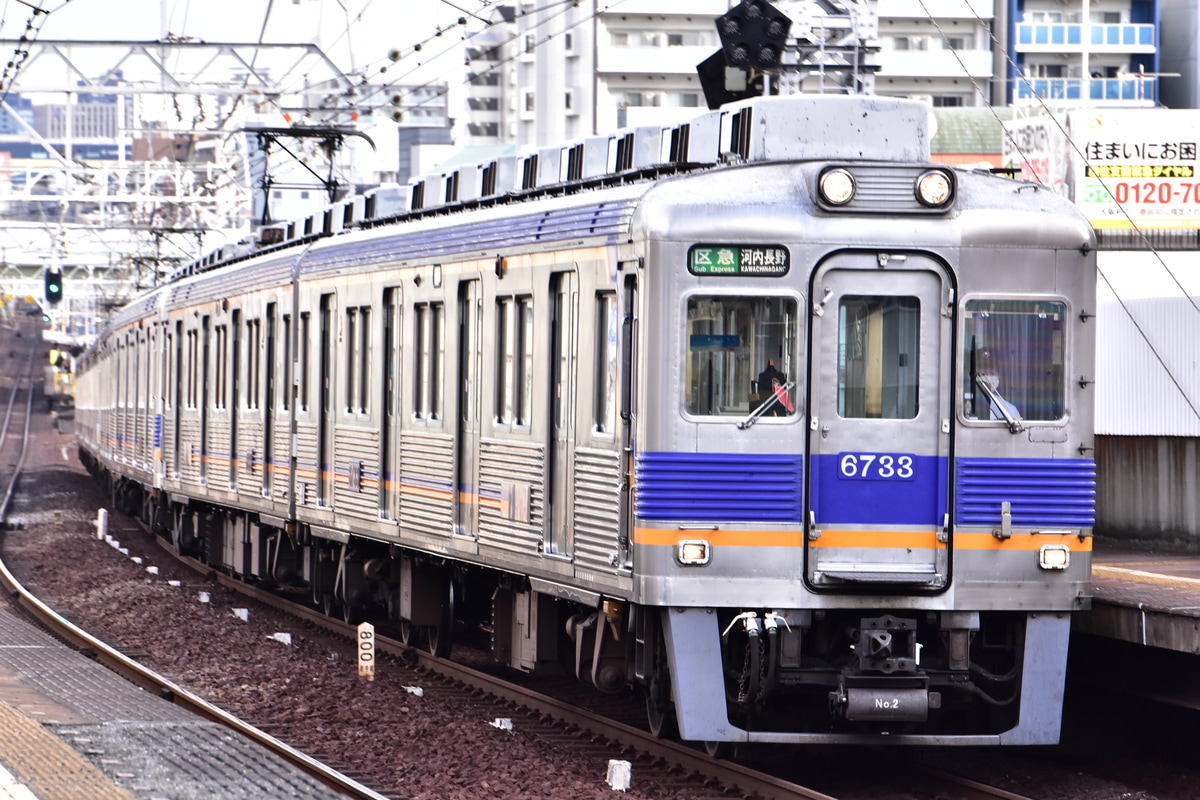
[(939, 51), (578, 71)]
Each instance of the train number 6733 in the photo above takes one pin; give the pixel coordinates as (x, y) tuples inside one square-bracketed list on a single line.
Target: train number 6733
[(877, 466)]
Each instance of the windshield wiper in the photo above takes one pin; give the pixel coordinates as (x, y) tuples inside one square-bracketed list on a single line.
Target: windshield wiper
[(1000, 404), (762, 409)]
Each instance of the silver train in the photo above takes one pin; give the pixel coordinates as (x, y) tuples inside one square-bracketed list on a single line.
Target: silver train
[(764, 416)]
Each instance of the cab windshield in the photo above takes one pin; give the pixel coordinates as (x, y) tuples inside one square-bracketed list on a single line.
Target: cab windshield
[(1013, 354), (740, 355)]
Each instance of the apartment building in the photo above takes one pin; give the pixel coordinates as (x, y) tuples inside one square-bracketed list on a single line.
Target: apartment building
[(551, 72), (939, 51), (1103, 52)]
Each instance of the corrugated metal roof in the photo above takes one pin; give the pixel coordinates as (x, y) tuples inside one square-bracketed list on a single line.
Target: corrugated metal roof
[(1145, 380), (969, 130)]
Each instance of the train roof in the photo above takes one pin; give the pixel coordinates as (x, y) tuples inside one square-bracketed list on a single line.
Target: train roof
[(759, 130)]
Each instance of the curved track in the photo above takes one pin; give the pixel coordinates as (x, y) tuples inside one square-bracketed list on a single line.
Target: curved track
[(103, 653)]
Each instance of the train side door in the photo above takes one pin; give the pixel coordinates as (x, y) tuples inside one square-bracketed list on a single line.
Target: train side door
[(879, 424), (269, 401), (389, 497), (628, 415), (466, 501), (205, 367), (325, 416), (235, 399), (564, 304)]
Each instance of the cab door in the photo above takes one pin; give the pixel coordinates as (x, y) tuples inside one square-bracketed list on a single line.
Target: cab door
[(879, 426)]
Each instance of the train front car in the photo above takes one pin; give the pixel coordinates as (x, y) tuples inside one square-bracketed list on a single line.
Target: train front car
[(863, 485)]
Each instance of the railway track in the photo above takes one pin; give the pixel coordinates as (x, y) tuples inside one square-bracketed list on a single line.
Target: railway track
[(80, 639), (725, 778)]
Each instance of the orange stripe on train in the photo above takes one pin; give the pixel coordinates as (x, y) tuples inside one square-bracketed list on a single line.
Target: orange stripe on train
[(923, 540)]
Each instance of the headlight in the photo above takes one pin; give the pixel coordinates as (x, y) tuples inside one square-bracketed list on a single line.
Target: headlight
[(837, 187), (1054, 556), (934, 188), (693, 552)]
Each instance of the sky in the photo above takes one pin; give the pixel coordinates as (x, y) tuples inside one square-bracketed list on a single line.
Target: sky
[(356, 34)]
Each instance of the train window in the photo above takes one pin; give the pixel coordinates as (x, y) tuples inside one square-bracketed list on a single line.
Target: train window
[(305, 335), (391, 350), (421, 339), (1013, 359), (364, 358), (358, 359), (524, 378), (430, 354), (222, 357), (731, 342), (879, 339), (438, 360), (193, 346), (358, 355), (514, 360), (351, 358), (606, 363), (505, 359), (286, 394), (253, 362)]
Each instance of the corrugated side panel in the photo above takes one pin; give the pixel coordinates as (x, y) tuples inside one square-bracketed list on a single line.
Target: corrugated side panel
[(505, 462), (251, 462), (189, 452), (280, 466), (307, 470), (597, 508), (1149, 489), (717, 487), (1043, 492), (168, 441), (426, 483), (1136, 395), (217, 455), (145, 438), (356, 444)]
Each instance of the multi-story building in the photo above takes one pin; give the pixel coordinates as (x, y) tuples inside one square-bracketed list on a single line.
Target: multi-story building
[(939, 51), (491, 109), (1103, 53), (556, 72), (546, 73)]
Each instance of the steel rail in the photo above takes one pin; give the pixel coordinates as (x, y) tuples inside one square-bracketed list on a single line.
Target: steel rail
[(749, 781), (146, 678)]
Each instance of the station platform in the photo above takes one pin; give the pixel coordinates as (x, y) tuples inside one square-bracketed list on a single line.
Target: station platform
[(70, 729), (1145, 598)]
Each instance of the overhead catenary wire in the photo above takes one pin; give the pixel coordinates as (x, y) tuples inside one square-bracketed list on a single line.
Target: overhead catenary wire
[(33, 26)]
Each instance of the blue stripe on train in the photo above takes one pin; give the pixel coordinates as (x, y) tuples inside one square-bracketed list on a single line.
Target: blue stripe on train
[(920, 500), (719, 487), (723, 487), (1043, 492)]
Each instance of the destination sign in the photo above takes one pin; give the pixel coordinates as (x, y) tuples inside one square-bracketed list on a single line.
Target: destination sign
[(759, 261)]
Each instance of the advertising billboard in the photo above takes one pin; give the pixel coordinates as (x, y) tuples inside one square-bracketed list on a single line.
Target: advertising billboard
[(1124, 168)]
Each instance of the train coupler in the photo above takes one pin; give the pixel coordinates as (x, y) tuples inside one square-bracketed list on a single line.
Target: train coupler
[(873, 701)]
